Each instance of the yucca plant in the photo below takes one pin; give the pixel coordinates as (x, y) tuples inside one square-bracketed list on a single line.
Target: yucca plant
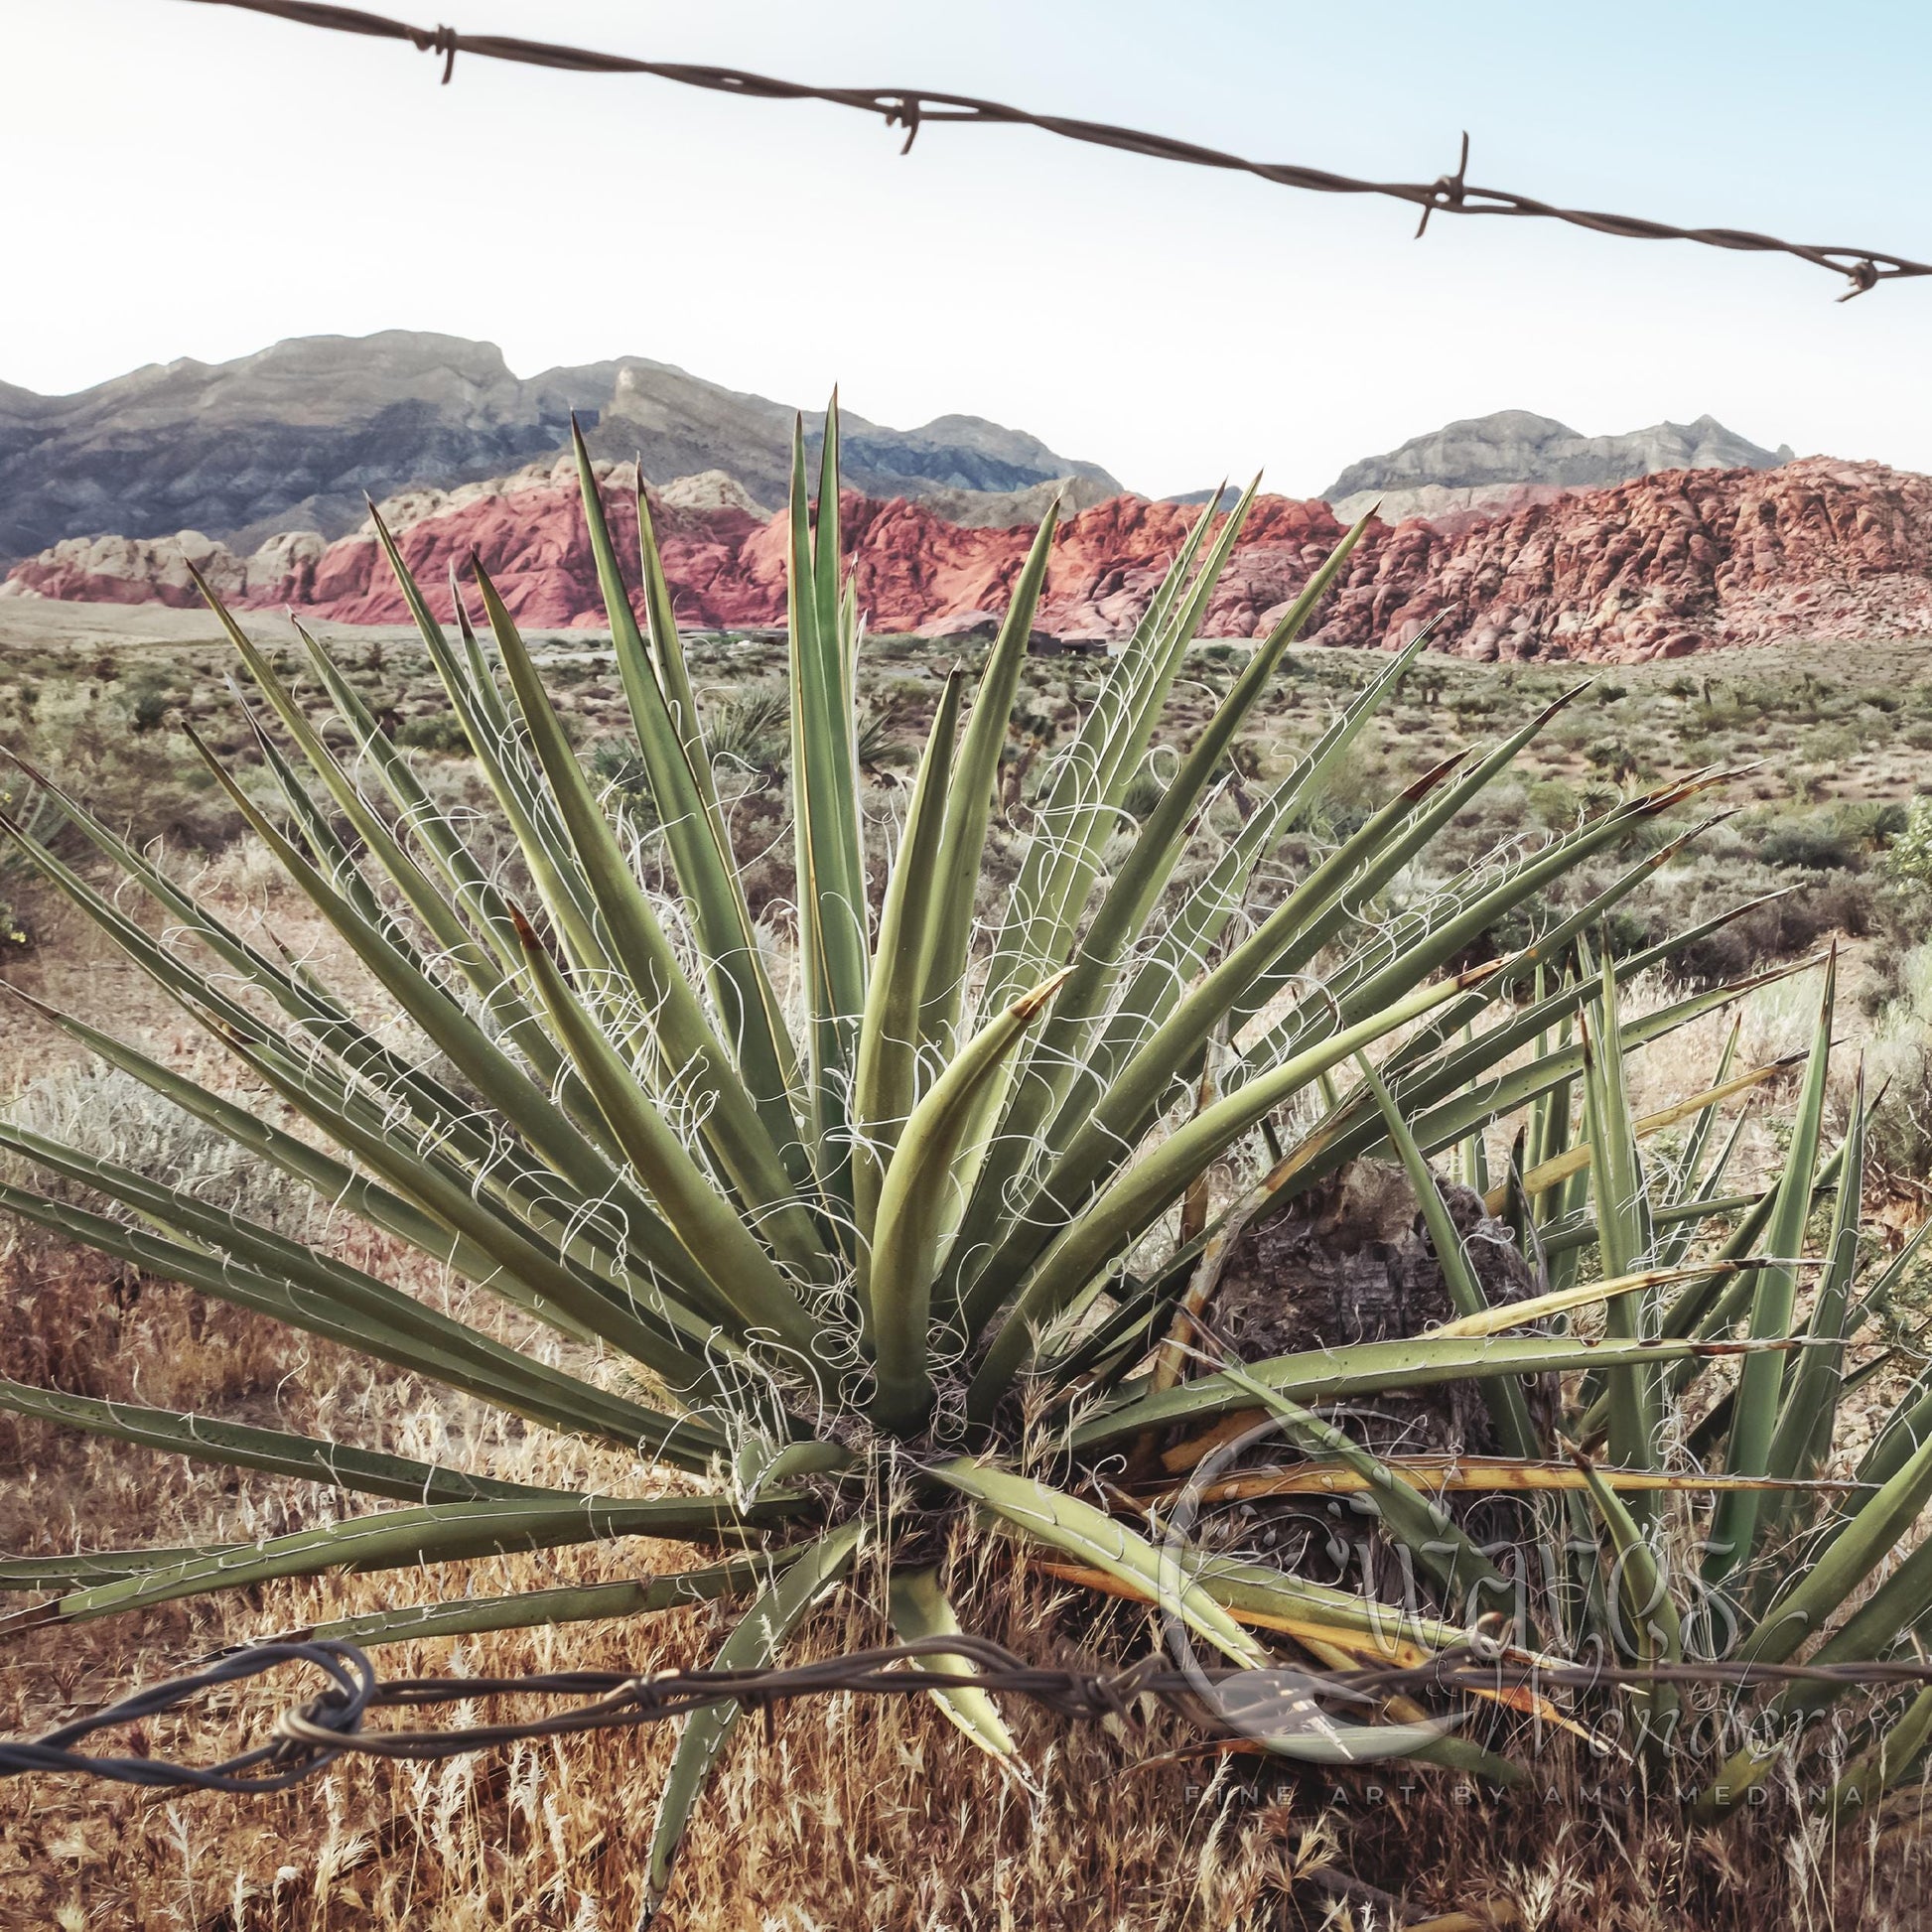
[(911, 1214)]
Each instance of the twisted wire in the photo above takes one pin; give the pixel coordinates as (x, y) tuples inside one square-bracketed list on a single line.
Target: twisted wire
[(308, 1736), (912, 108)]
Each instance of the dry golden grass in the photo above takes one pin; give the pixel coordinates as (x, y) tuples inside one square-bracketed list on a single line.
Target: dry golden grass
[(845, 1815)]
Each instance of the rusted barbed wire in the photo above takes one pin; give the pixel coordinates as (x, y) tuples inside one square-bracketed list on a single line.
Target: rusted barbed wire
[(914, 107), (309, 1736)]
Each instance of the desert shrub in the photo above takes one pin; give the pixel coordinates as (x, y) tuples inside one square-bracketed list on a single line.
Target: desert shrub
[(1900, 1056), (436, 731), (1909, 858), (1834, 746), (1143, 794), (1610, 755), (617, 766), (1554, 803), (1871, 823), (1814, 844), (149, 699), (752, 729)]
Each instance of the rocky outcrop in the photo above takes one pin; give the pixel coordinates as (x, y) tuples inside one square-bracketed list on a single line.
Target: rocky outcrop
[(1663, 566), (1487, 462), (295, 436), (132, 570), (710, 489), (1659, 567), (283, 570)]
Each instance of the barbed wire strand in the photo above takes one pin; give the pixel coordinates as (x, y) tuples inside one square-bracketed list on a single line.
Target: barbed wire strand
[(307, 1737), (916, 107)]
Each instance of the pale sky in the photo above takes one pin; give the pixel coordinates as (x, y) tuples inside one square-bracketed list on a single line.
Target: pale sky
[(183, 180)]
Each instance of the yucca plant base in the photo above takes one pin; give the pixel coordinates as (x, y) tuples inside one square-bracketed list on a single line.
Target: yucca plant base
[(896, 1213)]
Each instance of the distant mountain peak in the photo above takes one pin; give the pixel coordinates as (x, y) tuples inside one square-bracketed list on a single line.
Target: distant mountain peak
[(1466, 464), (292, 436)]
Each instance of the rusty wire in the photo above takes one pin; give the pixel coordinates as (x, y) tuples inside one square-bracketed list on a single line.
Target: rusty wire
[(309, 1736), (916, 107)]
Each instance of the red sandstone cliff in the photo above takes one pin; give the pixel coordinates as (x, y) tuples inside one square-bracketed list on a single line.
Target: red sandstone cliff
[(1662, 566)]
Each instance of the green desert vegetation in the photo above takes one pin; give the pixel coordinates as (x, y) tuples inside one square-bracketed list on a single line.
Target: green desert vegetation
[(1833, 734), (684, 1148)]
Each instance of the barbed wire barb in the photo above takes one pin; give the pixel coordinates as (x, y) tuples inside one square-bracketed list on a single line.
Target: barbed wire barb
[(913, 107), (1448, 190)]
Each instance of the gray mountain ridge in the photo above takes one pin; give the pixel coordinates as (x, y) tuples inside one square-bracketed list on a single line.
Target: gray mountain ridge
[(1466, 464), (1484, 459), (293, 436)]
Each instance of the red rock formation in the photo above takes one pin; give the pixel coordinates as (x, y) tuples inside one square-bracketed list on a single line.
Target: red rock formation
[(1659, 567)]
